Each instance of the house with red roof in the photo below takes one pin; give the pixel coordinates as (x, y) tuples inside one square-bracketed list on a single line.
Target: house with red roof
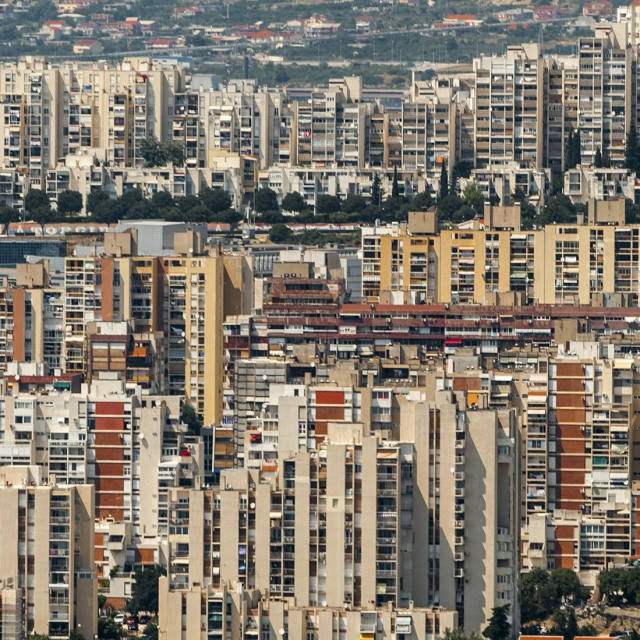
[(462, 20), (597, 8), (545, 13)]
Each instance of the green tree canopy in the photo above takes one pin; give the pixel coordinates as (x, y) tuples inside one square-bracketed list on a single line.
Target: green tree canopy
[(69, 202), (216, 200), (151, 631), (108, 629), (395, 187), (459, 634), (565, 624), (631, 150), (94, 198), (444, 182), (376, 191), (558, 210), (189, 416), (294, 202), (354, 204), (598, 162), (144, 592), (422, 201), (36, 199), (280, 233), (499, 627), (327, 204), (266, 200), (160, 154), (472, 195)]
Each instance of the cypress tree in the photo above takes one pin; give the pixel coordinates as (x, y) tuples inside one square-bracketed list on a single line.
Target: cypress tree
[(395, 189), (444, 181), (598, 163), (576, 158), (631, 153)]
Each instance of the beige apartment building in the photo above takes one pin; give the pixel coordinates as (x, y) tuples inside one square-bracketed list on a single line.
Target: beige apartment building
[(516, 108), (559, 264), (236, 612), (47, 541), (172, 307), (438, 499)]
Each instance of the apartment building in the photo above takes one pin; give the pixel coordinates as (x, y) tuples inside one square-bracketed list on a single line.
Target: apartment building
[(559, 264), (509, 107), (47, 542), (578, 463), (516, 108), (193, 302), (239, 611), (332, 493), (604, 94)]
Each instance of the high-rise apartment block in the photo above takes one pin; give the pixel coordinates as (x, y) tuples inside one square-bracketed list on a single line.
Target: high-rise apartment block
[(361, 522), (558, 264), (47, 541), (514, 110)]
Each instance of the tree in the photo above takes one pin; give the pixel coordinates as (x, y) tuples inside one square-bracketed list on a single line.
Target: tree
[(144, 592), (280, 233), (422, 201), (472, 195), (327, 204), (158, 154), (534, 589), (266, 200), (69, 202), (598, 163), (151, 152), (216, 200), (376, 191), (108, 211), (108, 629), (189, 417), (37, 206), (463, 169), (565, 624), (576, 149), (294, 202), (631, 213), (8, 215), (395, 188), (498, 627), (631, 151), (354, 204), (75, 635), (568, 152), (94, 198), (444, 182), (459, 634), (151, 631), (174, 152), (564, 586), (454, 182), (448, 206), (36, 199), (558, 210)]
